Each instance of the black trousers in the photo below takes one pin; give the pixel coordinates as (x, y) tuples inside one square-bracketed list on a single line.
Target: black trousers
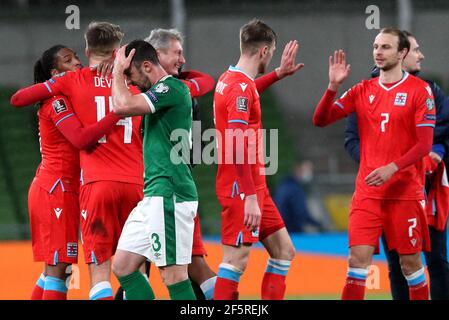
[(437, 266)]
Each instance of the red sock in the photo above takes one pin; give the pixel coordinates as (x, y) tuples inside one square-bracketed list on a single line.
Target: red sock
[(38, 290), (54, 295), (354, 289), (419, 292), (37, 293), (226, 289), (273, 286)]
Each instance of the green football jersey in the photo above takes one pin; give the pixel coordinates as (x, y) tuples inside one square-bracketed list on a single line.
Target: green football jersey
[(166, 141)]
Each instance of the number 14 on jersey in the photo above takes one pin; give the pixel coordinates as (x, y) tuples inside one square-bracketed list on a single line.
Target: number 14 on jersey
[(127, 122)]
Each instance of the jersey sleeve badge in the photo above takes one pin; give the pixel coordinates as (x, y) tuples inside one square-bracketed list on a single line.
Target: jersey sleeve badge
[(59, 106), (430, 104), (242, 104)]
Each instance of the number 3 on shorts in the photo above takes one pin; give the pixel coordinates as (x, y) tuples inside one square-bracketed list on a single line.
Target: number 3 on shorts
[(156, 242), (413, 225)]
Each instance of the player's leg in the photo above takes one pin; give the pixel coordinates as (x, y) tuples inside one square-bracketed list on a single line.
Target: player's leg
[(407, 232), (133, 249), (54, 216), (236, 240), (101, 224), (202, 276), (359, 262), (437, 264), (235, 260), (55, 287), (398, 284), (145, 270), (364, 231), (126, 268), (171, 227), (276, 240)]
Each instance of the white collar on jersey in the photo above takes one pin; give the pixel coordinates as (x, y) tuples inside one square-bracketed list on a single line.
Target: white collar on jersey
[(404, 77), (235, 69), (164, 77)]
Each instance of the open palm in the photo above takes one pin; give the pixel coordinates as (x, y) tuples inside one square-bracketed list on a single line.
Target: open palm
[(338, 69)]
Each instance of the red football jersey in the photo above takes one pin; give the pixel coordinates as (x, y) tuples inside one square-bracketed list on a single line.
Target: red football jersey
[(60, 159), (236, 100), (387, 121), (118, 157)]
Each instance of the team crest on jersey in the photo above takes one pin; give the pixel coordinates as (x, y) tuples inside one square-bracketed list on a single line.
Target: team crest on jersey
[(72, 249), (242, 104), (59, 106), (161, 88), (430, 104), (401, 99)]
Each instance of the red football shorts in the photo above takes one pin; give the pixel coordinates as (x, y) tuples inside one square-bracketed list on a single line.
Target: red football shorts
[(198, 248), (105, 206), (54, 219), (403, 223), (233, 230)]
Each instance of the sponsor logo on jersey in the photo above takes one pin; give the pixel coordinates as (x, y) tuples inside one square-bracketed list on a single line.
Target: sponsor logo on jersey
[(59, 106), (152, 96), (430, 104), (430, 117), (58, 212), (371, 98), (243, 85), (242, 104), (220, 87), (161, 88), (401, 99), (72, 249)]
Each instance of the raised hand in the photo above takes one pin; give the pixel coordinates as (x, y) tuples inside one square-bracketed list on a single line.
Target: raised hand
[(288, 64), (338, 69), (121, 62)]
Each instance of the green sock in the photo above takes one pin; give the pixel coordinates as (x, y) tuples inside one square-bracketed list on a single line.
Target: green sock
[(136, 287), (181, 291)]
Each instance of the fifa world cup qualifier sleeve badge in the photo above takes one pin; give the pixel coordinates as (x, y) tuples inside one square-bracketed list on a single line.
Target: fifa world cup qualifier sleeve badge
[(430, 104)]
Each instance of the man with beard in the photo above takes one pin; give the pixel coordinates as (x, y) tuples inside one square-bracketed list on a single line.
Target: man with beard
[(160, 228), (436, 259), (396, 115)]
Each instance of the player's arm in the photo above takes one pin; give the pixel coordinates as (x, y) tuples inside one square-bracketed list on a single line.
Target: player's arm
[(40, 91), (70, 126), (287, 67), (199, 83), (352, 139), (124, 102), (32, 94), (327, 111), (238, 107)]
